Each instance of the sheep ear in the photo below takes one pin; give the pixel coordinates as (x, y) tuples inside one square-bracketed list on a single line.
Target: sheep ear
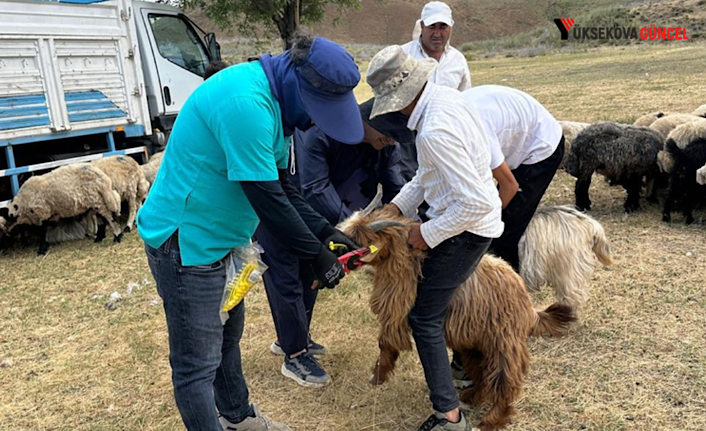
[(374, 203), (379, 225)]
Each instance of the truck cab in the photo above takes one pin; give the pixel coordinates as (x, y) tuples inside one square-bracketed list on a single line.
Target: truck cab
[(175, 53), (84, 79)]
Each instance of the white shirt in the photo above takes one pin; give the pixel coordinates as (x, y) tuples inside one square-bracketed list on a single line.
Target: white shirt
[(521, 131), (453, 69), (454, 175)]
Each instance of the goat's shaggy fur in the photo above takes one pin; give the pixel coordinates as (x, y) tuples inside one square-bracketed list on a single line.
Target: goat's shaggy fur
[(561, 248), (666, 124), (683, 187), (701, 175), (571, 129), (647, 119), (128, 180), (151, 168), (700, 111), (488, 320), (624, 154), (66, 192)]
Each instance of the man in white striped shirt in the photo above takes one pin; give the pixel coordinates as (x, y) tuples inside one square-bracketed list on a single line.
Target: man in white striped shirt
[(454, 178)]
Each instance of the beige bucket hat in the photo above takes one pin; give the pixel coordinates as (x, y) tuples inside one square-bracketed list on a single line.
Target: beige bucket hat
[(397, 78)]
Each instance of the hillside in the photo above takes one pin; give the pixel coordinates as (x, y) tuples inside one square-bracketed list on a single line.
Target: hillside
[(391, 21)]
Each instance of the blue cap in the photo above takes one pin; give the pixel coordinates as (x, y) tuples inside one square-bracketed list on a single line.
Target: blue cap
[(326, 81)]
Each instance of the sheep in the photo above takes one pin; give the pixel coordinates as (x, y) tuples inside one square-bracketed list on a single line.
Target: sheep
[(488, 320), (647, 119), (700, 111), (561, 248), (622, 153), (667, 123), (152, 167), (685, 133), (682, 135), (571, 129), (701, 175), (682, 179), (68, 191), (128, 180)]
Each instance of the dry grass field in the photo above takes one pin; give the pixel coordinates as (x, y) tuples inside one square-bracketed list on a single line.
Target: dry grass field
[(637, 362)]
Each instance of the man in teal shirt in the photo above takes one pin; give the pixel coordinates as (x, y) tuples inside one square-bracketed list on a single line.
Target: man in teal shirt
[(223, 173)]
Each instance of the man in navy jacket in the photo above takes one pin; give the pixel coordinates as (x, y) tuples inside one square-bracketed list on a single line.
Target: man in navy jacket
[(336, 179)]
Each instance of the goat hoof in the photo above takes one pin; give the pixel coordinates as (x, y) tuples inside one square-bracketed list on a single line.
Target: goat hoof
[(376, 381), (689, 220), (127, 229), (666, 218), (118, 238)]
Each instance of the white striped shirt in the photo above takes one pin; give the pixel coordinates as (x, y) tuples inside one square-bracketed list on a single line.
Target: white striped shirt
[(454, 175)]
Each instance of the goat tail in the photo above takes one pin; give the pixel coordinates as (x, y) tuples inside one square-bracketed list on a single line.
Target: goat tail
[(555, 320), (601, 247)]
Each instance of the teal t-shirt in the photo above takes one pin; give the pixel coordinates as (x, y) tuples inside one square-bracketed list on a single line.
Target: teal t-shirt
[(229, 130)]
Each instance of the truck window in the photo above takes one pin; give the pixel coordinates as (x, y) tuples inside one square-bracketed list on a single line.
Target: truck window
[(178, 42)]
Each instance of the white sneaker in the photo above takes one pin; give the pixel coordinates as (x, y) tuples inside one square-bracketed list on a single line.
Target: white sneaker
[(257, 423)]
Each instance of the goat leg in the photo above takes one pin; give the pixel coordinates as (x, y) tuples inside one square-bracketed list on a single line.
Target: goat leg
[(385, 363)]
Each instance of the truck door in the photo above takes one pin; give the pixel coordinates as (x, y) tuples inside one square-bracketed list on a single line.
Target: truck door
[(180, 56)]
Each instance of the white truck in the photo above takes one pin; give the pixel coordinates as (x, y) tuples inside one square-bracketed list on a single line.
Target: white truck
[(84, 79)]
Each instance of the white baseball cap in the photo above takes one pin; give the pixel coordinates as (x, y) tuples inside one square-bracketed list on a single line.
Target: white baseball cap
[(437, 11)]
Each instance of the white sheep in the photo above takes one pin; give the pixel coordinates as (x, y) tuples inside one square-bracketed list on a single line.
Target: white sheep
[(150, 168), (700, 111), (66, 192), (701, 175), (128, 180), (685, 133), (682, 135), (668, 123)]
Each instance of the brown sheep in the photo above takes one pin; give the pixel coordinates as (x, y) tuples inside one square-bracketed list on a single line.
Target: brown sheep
[(488, 320)]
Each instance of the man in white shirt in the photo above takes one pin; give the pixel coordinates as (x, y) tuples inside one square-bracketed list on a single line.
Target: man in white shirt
[(454, 178), (431, 40), (526, 147)]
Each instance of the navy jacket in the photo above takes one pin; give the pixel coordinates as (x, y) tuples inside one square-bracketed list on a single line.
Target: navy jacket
[(338, 179)]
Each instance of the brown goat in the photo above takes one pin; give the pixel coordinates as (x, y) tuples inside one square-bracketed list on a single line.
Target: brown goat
[(488, 320)]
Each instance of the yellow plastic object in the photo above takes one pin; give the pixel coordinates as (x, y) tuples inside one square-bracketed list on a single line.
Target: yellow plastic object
[(333, 246), (240, 286), (373, 249)]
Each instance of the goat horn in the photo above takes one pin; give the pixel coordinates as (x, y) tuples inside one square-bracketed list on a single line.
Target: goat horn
[(379, 225), (374, 203)]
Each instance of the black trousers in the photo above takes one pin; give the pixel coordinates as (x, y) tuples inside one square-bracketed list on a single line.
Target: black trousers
[(447, 266), (288, 283), (534, 181)]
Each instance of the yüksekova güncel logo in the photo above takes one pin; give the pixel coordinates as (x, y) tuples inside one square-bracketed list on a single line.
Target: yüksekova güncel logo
[(574, 31)]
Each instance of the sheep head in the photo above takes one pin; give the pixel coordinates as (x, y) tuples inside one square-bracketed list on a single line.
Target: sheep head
[(30, 205)]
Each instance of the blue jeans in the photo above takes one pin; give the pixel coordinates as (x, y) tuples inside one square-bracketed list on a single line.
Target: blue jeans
[(204, 355), (447, 266)]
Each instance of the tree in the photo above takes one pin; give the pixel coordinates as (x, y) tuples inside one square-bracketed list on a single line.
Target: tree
[(281, 16)]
